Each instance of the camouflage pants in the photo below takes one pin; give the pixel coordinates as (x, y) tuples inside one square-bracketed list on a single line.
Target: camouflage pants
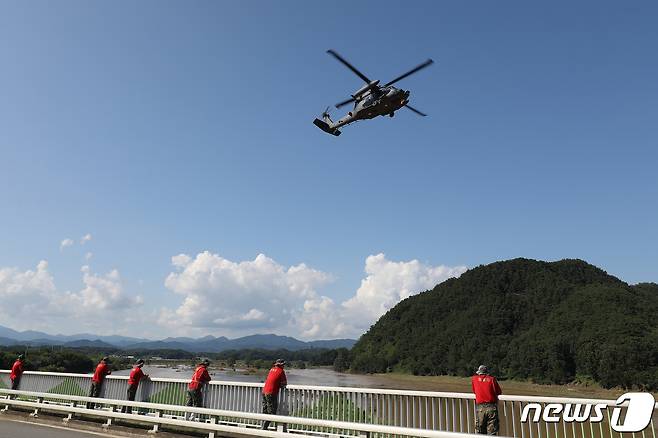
[(270, 405), (14, 386), (194, 398), (130, 393), (94, 391), (486, 419)]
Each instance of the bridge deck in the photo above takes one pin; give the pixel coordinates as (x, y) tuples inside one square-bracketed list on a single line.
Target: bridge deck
[(21, 425), (14, 428)]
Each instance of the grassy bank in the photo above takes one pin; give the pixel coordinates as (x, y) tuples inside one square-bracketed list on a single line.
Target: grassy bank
[(511, 387)]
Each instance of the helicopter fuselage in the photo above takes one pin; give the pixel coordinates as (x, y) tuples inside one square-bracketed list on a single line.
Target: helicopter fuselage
[(385, 101)]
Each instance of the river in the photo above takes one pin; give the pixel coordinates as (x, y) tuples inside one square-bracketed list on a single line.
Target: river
[(309, 376), (328, 377)]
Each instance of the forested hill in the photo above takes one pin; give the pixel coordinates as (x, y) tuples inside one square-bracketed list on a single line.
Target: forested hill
[(549, 322)]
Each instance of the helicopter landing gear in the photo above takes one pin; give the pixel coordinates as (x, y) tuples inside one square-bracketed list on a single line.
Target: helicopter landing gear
[(391, 114)]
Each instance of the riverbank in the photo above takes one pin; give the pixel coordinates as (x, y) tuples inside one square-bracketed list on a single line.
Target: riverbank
[(325, 376), (511, 387)]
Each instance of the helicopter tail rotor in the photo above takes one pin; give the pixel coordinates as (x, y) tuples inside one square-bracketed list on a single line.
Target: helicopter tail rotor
[(326, 124), (326, 127)]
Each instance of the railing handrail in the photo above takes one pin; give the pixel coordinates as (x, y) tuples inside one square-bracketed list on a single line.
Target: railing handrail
[(153, 420), (358, 427), (400, 392)]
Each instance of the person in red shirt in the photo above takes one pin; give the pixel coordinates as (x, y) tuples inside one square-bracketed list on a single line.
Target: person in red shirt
[(102, 370), (16, 372), (133, 383), (486, 390), (276, 379), (199, 379)]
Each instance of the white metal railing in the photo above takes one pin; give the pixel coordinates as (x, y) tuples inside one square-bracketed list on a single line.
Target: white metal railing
[(232, 423), (439, 411)]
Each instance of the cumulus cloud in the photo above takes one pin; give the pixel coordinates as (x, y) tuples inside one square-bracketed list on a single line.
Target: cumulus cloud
[(101, 292), (65, 244), (84, 239), (32, 299), (24, 292), (262, 294), (217, 295), (257, 294), (89, 255), (388, 282), (321, 318)]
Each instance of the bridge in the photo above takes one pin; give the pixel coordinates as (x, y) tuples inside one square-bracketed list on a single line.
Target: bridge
[(233, 409)]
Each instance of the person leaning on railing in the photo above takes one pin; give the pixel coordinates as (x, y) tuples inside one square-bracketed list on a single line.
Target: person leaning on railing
[(133, 383), (199, 379), (16, 373), (487, 390), (102, 370), (276, 379)]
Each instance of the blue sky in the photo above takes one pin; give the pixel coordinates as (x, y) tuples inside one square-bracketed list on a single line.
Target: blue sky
[(167, 128)]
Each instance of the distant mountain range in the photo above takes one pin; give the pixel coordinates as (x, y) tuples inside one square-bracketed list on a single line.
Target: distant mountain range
[(206, 344)]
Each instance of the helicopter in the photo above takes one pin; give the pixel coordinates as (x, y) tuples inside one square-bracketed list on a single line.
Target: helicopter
[(371, 100)]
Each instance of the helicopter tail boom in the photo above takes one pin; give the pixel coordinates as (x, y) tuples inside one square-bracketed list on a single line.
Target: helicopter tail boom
[(326, 124), (326, 127)]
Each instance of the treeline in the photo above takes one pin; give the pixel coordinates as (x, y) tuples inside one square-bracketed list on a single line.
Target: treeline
[(84, 359), (47, 359), (554, 322), (261, 358)]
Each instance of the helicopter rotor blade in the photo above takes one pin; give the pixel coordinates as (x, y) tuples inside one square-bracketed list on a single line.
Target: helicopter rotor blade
[(345, 102), (348, 65), (416, 111), (410, 72)]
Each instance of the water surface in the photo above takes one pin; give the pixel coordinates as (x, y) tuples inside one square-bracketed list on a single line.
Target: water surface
[(309, 376)]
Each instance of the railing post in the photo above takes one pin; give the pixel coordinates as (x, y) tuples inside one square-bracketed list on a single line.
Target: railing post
[(35, 414), (213, 420), (156, 426), (67, 419)]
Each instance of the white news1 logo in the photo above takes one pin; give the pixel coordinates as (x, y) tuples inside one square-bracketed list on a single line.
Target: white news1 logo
[(638, 412)]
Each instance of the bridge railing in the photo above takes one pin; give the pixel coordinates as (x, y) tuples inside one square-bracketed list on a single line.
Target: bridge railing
[(442, 411), (212, 421)]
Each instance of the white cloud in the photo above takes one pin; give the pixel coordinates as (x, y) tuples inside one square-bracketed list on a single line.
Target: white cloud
[(218, 296), (86, 238), (261, 294), (33, 301), (101, 292), (387, 283), (65, 244), (252, 295), (89, 255), (321, 318), (181, 260), (25, 290)]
